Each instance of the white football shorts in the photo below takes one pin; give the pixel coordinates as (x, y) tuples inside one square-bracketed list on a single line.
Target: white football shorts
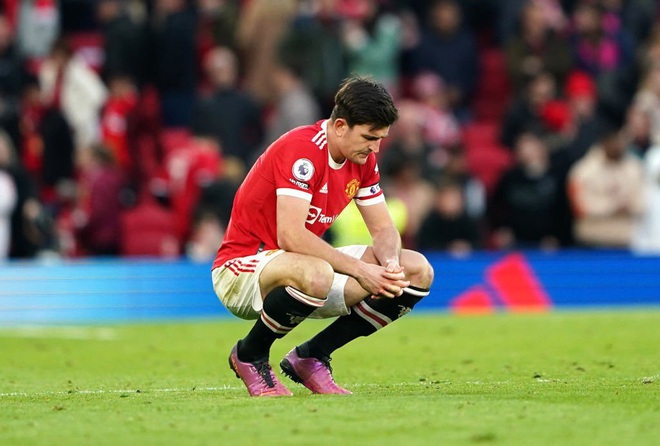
[(236, 284)]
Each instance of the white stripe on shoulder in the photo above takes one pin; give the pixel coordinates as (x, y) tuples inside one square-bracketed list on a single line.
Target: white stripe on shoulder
[(318, 135), (370, 201), (294, 193), (321, 137)]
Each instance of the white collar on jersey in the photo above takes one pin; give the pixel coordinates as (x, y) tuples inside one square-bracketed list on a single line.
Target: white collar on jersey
[(332, 163)]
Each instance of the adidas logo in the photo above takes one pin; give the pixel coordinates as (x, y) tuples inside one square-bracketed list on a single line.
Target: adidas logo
[(324, 189), (510, 284)]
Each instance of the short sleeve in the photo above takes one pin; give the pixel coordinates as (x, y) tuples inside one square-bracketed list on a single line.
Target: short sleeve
[(296, 173), (370, 192)]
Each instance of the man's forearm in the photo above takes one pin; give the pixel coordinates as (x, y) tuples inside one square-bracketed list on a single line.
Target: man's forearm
[(305, 242), (387, 245)]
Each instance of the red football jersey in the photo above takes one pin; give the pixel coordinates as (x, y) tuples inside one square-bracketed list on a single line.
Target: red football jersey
[(298, 164)]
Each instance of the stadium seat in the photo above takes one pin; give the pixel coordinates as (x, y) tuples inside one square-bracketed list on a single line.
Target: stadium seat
[(488, 163), (149, 230), (486, 157), (479, 133), (494, 88)]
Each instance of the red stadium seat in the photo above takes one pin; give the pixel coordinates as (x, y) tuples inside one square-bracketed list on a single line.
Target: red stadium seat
[(494, 88), (149, 230), (488, 163), (479, 133)]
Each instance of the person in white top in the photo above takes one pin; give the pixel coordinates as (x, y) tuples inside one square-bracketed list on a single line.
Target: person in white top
[(7, 204), (646, 236)]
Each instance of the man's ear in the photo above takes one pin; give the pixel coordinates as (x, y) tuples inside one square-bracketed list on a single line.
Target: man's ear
[(341, 126)]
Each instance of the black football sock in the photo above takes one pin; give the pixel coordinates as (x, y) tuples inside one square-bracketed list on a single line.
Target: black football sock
[(365, 319), (284, 308)]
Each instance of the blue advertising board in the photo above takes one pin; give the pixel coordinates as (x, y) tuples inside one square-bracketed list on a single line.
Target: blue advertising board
[(117, 290)]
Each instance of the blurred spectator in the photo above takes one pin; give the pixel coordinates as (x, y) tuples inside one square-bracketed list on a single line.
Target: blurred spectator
[(12, 76), (635, 17), (372, 39), (474, 191), (31, 144), (29, 227), (403, 181), (638, 129), (12, 73), (218, 197), (144, 135), (174, 68), (217, 24), (525, 207), (261, 28), (295, 104), (408, 141), (448, 49), (69, 85), (314, 41), (77, 16), (207, 234), (189, 169), (38, 28), (448, 226), (646, 237), (125, 42), (57, 161), (509, 13), (582, 96), (598, 50), (7, 204), (536, 47), (646, 103), (441, 127), (117, 112), (525, 113), (10, 118), (349, 228), (649, 52), (101, 184), (228, 114), (606, 189)]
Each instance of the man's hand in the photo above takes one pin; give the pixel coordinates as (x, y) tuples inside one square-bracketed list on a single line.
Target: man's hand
[(388, 281)]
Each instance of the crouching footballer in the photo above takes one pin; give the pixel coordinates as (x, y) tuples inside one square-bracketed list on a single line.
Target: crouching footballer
[(274, 267)]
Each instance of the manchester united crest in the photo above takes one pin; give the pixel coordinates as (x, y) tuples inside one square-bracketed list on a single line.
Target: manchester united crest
[(352, 188)]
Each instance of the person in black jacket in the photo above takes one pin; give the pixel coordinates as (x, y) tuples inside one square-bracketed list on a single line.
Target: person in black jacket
[(125, 42), (228, 114), (30, 228), (525, 211), (448, 226), (174, 49)]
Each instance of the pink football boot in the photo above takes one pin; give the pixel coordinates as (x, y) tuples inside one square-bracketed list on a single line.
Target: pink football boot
[(258, 377), (313, 373)]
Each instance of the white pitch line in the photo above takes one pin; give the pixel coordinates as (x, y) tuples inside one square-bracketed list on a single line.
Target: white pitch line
[(169, 390), (63, 332), (121, 391)]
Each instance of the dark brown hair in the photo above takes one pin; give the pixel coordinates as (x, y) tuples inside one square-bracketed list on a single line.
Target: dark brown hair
[(361, 101)]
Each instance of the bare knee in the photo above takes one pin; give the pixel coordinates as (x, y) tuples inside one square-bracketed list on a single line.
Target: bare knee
[(316, 278), (417, 268)]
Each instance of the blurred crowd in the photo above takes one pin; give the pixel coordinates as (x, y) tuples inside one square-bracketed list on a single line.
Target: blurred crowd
[(127, 125)]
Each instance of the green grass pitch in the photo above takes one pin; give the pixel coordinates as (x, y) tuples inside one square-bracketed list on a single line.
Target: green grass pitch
[(562, 378)]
